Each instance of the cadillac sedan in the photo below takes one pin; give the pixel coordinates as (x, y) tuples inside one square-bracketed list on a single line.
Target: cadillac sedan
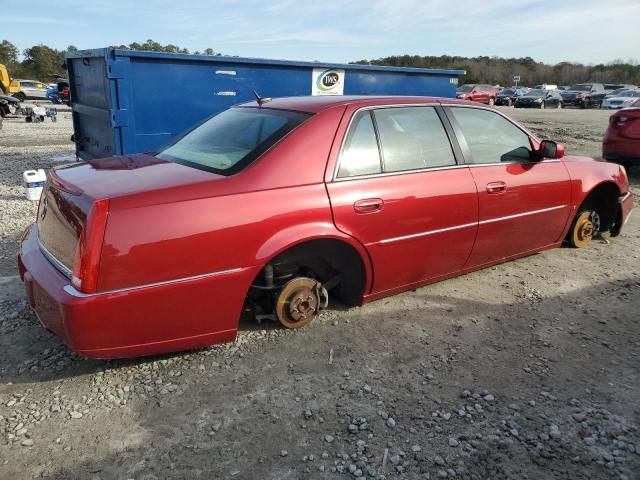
[(274, 207), (621, 100)]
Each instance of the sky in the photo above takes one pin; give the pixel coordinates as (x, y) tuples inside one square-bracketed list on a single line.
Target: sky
[(585, 31)]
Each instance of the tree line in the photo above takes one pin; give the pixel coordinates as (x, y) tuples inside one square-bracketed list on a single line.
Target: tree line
[(42, 63), (500, 71)]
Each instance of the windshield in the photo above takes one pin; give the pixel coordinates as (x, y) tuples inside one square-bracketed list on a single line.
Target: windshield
[(581, 88), (465, 88), (508, 91), (537, 93), (231, 140)]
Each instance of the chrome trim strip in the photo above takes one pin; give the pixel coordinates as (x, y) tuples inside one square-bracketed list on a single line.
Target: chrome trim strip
[(628, 217), (624, 197), (467, 225), (71, 290), (524, 214), (56, 263), (430, 232), (477, 165), (402, 172)]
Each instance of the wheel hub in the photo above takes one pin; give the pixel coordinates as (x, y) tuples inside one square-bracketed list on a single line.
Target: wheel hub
[(302, 305), (300, 302)]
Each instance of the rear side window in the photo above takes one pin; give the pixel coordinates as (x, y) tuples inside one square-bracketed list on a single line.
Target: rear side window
[(360, 155), (412, 138), (231, 140), (491, 138)]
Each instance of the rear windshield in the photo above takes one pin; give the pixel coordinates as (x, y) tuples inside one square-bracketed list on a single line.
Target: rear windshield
[(231, 140)]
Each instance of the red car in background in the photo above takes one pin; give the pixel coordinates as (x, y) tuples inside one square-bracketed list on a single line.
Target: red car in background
[(622, 140), (477, 93), (273, 207)]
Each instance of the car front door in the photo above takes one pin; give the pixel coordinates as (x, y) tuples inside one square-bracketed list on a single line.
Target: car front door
[(524, 204), (398, 189), (482, 95)]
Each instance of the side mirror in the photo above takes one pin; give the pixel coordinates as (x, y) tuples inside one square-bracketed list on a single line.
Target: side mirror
[(550, 149)]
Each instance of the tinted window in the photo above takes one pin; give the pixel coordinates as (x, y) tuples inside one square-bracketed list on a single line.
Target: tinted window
[(360, 155), (491, 137), (412, 138), (229, 141)]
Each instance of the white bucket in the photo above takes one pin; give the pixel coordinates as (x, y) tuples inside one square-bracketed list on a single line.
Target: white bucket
[(33, 183)]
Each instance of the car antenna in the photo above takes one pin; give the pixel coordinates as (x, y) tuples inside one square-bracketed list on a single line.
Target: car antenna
[(259, 99)]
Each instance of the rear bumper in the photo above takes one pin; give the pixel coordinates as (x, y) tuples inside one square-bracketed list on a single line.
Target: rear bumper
[(621, 150), (159, 318)]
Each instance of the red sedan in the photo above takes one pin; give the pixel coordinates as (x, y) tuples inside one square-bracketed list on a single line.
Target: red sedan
[(622, 139), (273, 208)]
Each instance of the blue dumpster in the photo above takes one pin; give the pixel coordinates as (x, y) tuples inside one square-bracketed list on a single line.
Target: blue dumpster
[(127, 101)]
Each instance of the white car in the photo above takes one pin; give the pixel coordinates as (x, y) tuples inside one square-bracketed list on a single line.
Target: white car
[(621, 100)]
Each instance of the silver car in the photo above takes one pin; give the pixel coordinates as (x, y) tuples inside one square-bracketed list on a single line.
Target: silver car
[(31, 90), (621, 100)]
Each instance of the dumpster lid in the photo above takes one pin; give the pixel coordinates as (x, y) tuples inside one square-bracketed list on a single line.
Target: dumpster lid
[(113, 52)]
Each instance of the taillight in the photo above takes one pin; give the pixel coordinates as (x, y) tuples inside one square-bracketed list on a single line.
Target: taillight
[(86, 262)]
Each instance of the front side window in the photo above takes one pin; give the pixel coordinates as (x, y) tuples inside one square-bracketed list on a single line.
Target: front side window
[(412, 138), (491, 138), (231, 140), (360, 154)]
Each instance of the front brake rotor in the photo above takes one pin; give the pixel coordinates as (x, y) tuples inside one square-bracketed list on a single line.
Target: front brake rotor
[(584, 229), (300, 301)]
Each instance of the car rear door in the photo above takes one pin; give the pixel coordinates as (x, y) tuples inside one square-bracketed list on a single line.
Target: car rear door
[(523, 205), (398, 189)]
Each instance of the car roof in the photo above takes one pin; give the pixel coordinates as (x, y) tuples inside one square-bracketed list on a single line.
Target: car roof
[(315, 104)]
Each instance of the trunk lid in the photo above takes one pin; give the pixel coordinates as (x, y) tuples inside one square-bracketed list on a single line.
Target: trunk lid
[(71, 191), (120, 176)]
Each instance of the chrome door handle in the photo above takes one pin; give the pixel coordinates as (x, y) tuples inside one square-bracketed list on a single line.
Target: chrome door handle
[(496, 187), (368, 205)]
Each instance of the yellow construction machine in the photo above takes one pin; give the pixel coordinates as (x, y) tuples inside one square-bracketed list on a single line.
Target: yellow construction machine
[(8, 86)]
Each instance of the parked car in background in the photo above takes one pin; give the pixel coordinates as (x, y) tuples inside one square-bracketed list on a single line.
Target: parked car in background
[(584, 95), (621, 142), (622, 100), (508, 96), (251, 231), (613, 93), (477, 93), (610, 88), (31, 90), (563, 87), (545, 86), (539, 99)]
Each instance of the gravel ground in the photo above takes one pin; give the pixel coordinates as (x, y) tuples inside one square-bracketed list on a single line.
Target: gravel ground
[(527, 370)]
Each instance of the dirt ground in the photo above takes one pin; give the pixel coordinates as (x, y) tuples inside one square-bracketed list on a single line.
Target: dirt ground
[(527, 370)]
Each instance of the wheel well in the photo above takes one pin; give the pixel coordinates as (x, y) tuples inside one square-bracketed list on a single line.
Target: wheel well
[(604, 200), (323, 259)]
